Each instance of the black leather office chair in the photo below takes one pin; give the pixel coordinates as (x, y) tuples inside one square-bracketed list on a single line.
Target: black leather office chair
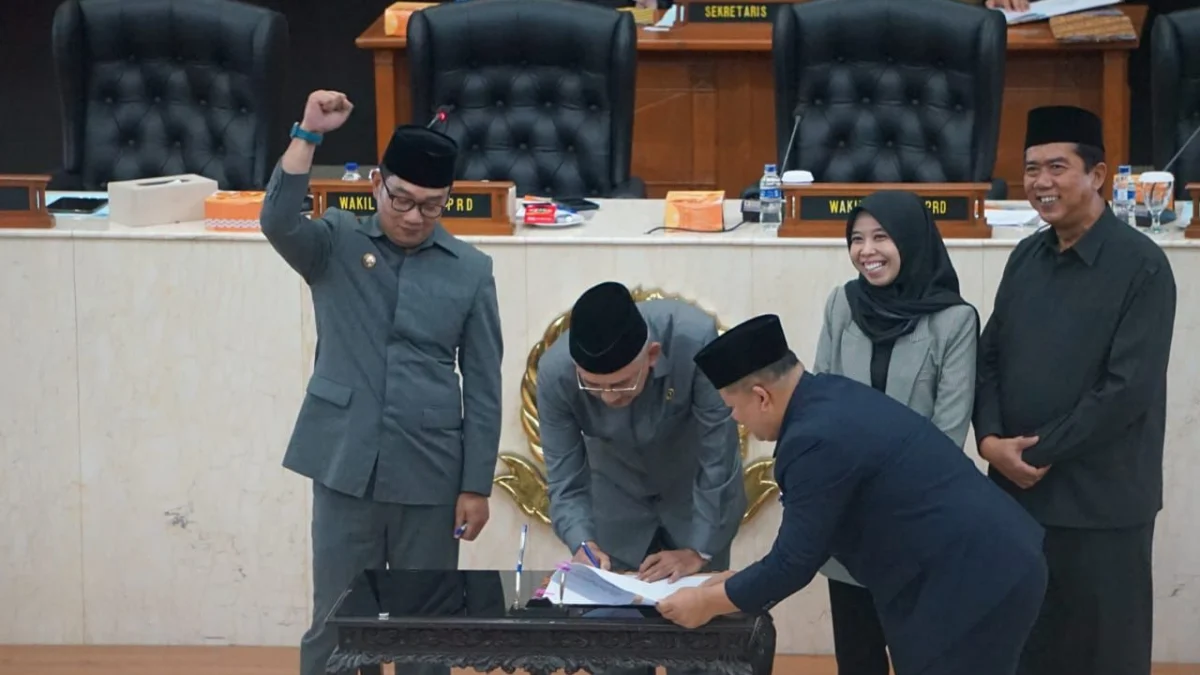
[(161, 87), (890, 91), (539, 92), (1175, 93)]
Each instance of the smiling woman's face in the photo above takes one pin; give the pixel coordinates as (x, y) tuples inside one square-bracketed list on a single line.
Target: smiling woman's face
[(873, 252)]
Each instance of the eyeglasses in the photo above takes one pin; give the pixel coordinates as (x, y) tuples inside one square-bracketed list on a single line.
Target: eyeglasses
[(405, 204), (624, 387)]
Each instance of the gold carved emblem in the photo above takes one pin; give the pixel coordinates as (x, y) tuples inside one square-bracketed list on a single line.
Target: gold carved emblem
[(525, 481)]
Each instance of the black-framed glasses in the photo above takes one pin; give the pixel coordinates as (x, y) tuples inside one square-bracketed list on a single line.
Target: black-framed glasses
[(404, 204)]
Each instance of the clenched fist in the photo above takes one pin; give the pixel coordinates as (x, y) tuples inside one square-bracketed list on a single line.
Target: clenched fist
[(326, 111)]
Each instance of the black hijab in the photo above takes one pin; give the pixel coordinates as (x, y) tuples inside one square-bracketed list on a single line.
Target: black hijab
[(926, 284)]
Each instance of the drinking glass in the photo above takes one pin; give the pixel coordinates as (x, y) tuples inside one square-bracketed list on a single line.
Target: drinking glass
[(1157, 187)]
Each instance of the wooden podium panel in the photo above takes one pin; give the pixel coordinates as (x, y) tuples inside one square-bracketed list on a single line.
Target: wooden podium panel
[(704, 113)]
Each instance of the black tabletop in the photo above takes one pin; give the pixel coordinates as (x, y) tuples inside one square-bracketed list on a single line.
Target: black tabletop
[(468, 596), (489, 620)]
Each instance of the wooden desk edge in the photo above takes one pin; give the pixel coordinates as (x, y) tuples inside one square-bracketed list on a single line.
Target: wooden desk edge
[(757, 37), (1192, 231)]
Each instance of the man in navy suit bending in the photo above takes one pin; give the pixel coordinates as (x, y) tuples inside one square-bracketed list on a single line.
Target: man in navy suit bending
[(954, 563)]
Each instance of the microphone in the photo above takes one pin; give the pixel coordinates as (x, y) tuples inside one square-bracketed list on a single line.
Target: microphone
[(1181, 149), (750, 203), (439, 115), (1168, 215), (798, 116)]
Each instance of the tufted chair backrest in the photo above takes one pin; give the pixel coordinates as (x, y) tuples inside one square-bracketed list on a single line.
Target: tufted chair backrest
[(162, 87), (539, 92), (1175, 93), (890, 90)]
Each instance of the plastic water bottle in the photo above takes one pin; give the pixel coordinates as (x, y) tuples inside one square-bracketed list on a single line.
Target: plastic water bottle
[(770, 199), (1124, 201), (352, 172)]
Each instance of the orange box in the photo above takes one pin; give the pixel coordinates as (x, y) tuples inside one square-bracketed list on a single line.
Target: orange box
[(231, 211), (697, 210), (395, 17)]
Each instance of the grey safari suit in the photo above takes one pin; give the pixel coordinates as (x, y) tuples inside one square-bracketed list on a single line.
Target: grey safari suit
[(668, 462), (385, 432), (932, 370)]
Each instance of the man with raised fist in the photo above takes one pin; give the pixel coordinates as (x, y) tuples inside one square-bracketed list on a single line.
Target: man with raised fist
[(401, 456)]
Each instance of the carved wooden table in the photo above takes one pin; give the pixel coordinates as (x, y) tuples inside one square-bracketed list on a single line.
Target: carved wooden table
[(485, 620)]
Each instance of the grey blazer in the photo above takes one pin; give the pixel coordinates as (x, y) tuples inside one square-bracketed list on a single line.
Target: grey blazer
[(392, 326), (932, 369), (669, 460)]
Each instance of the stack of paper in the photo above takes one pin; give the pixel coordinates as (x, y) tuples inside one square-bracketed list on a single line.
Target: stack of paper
[(1041, 10), (591, 586)]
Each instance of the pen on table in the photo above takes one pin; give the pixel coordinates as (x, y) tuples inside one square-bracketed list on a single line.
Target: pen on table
[(462, 529), (521, 551), (521, 561), (587, 550)]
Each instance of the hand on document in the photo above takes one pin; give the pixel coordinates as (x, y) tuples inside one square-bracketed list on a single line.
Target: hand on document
[(694, 607), (586, 585), (688, 607), (672, 565)]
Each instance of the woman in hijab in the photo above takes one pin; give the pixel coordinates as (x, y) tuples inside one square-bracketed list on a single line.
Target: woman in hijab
[(901, 327)]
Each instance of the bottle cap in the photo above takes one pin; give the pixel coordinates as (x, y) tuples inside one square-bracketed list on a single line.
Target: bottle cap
[(770, 167), (352, 166)]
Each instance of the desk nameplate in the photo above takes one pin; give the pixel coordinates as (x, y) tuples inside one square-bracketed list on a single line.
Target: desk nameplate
[(731, 12), (23, 202), (821, 210), (475, 208)]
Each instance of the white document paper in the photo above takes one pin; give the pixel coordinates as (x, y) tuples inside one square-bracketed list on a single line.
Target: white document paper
[(1041, 10), (1011, 217), (592, 586)]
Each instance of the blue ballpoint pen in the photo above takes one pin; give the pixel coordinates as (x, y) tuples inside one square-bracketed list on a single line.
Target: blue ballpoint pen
[(520, 564), (587, 550), (521, 552)]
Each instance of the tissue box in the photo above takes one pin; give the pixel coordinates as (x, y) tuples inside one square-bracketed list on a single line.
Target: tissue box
[(395, 17), (233, 211), (700, 210), (159, 201)]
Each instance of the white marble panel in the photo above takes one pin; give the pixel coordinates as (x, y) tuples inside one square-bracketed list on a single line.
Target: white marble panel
[(1176, 546), (189, 383), (41, 568), (794, 282)]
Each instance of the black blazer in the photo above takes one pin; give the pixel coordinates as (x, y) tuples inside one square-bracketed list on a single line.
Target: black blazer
[(901, 506)]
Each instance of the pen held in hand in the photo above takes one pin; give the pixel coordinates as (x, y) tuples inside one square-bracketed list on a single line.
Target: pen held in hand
[(460, 531), (587, 550)]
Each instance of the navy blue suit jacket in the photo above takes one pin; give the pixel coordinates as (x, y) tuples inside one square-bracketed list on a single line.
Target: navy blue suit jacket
[(866, 479)]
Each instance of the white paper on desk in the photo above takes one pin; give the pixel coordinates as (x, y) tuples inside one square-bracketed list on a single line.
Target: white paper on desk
[(666, 22), (1011, 217), (592, 586), (1041, 10)]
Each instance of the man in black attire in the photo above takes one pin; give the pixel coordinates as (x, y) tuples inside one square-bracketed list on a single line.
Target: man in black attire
[(1071, 401)]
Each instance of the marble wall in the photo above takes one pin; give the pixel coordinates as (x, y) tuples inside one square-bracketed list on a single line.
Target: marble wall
[(150, 383)]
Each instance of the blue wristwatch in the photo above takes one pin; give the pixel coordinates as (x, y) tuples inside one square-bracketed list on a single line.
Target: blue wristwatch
[(309, 136)]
